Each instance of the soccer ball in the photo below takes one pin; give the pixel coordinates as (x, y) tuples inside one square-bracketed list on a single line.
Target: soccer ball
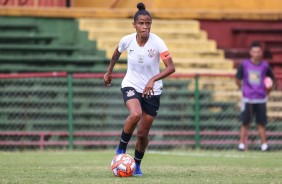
[(123, 165)]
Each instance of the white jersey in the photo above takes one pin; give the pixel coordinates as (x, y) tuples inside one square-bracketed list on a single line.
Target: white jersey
[(142, 62)]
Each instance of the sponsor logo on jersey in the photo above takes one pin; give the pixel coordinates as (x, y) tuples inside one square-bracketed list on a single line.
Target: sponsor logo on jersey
[(151, 53), (140, 58), (130, 93)]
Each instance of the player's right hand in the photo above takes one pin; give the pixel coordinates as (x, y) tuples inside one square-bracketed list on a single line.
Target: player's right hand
[(107, 79)]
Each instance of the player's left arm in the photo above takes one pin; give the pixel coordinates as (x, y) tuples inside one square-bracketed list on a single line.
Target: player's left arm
[(169, 69), (270, 74)]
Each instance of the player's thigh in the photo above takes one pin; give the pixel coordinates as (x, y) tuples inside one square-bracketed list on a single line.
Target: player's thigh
[(246, 113), (134, 107), (132, 100), (261, 113)]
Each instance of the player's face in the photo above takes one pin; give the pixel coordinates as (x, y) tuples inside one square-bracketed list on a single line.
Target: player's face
[(256, 53), (143, 25)]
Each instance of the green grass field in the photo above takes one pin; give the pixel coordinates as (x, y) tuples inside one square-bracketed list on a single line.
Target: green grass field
[(158, 167)]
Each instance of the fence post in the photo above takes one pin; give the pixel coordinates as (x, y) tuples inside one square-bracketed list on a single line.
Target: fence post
[(197, 113), (70, 111)]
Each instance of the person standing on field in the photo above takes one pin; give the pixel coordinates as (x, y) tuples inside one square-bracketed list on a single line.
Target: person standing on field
[(250, 79), (142, 84)]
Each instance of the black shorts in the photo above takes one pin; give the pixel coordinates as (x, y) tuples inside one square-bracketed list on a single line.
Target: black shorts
[(150, 105), (258, 110)]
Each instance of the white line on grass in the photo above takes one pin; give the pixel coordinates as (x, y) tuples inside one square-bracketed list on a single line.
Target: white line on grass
[(208, 154)]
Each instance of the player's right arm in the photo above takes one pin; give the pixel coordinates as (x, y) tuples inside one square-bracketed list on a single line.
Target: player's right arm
[(108, 74), (239, 76)]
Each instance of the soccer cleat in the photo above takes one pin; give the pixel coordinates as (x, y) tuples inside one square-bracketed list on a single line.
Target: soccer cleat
[(138, 171), (242, 147), (264, 147), (119, 151)]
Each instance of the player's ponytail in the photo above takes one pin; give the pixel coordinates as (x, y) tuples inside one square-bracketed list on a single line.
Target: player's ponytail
[(141, 6), (141, 11)]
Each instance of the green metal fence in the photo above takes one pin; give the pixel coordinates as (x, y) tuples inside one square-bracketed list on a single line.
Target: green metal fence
[(76, 111)]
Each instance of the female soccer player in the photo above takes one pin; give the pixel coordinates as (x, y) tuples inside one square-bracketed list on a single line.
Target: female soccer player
[(142, 84)]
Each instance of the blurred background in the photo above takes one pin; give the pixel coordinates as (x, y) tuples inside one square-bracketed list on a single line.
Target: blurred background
[(53, 54)]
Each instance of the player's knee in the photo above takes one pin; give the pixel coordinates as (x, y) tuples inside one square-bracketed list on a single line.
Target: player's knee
[(135, 117)]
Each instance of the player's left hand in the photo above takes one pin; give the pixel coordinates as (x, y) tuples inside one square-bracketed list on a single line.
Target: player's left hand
[(149, 89)]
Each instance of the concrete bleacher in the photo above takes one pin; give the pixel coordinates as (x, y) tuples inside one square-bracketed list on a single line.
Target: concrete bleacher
[(46, 44), (190, 48), (235, 37), (192, 51), (270, 37)]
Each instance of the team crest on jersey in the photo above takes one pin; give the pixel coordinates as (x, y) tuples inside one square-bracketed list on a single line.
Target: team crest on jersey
[(130, 93), (151, 53)]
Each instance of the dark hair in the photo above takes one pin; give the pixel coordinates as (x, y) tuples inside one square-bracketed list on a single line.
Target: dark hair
[(141, 11), (255, 44)]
